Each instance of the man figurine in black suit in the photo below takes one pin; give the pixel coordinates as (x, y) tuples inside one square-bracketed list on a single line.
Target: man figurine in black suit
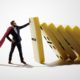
[(16, 40)]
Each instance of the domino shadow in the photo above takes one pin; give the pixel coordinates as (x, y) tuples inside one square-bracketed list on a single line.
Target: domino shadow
[(62, 63)]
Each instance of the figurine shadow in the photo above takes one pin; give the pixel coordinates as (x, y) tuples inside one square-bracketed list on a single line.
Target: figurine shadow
[(18, 65)]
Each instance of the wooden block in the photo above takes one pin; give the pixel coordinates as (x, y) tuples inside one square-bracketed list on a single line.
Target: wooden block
[(54, 42), (64, 44), (76, 45), (76, 34), (69, 39), (50, 43), (37, 40)]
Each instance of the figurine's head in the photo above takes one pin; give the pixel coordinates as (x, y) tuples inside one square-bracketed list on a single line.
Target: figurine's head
[(13, 23)]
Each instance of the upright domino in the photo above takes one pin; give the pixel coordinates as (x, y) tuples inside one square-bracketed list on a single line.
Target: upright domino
[(37, 40), (52, 39)]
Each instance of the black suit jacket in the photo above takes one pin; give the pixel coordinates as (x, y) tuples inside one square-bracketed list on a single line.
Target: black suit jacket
[(16, 36)]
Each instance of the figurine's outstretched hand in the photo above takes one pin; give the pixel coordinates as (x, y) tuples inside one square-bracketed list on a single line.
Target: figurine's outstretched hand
[(29, 21)]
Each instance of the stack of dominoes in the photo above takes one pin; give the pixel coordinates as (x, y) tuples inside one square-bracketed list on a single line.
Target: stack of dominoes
[(65, 42)]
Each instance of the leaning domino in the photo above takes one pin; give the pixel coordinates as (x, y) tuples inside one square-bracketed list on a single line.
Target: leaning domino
[(61, 39), (37, 40), (47, 34)]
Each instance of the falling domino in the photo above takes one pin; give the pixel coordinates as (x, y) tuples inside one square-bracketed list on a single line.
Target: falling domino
[(61, 53), (76, 47), (69, 39), (76, 34), (37, 40), (61, 39), (50, 43)]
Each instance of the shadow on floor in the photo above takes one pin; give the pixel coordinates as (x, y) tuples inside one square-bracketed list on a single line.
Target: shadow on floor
[(61, 63), (53, 64), (17, 65)]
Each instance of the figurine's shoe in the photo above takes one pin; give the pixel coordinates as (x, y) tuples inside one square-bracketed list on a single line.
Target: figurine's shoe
[(9, 62), (23, 62)]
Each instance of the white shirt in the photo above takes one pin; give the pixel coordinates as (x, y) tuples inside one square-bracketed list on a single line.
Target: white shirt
[(15, 30)]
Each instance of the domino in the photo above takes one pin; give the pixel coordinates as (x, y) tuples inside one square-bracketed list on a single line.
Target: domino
[(76, 34), (69, 39), (60, 38), (37, 40), (76, 46), (50, 43), (52, 39)]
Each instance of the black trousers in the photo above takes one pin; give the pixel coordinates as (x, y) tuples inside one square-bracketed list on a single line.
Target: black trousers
[(13, 45)]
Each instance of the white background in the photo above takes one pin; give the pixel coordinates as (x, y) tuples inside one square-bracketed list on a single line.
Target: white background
[(65, 12)]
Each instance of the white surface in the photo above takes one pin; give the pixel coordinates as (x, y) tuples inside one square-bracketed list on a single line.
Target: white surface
[(40, 73), (57, 11)]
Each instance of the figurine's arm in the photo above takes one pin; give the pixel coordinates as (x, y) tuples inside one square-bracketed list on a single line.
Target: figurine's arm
[(9, 38), (23, 26)]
